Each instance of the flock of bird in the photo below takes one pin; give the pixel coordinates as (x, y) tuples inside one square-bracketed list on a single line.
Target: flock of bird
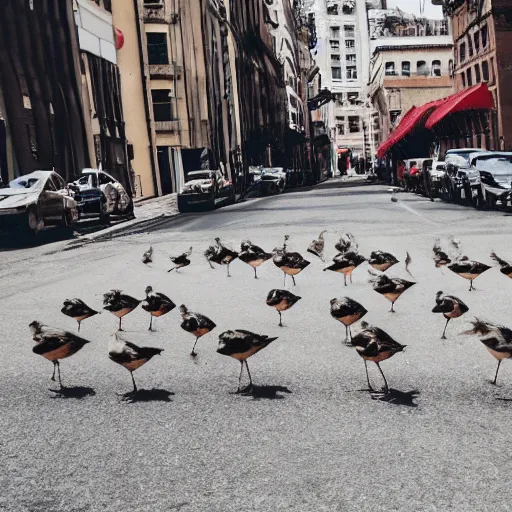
[(371, 343)]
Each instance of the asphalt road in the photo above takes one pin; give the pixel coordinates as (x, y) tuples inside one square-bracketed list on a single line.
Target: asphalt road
[(311, 438)]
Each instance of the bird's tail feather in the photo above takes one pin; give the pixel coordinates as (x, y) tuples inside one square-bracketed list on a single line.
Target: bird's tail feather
[(499, 260)]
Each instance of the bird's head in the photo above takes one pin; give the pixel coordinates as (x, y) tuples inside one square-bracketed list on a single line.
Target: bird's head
[(190, 250), (333, 301), (183, 309), (217, 240), (438, 296), (148, 290), (479, 327), (150, 250), (364, 325), (35, 327)]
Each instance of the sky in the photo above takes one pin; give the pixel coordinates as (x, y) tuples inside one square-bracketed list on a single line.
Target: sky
[(413, 6)]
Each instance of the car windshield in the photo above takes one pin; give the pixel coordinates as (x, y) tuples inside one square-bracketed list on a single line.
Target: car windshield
[(495, 165), (463, 153), (24, 182), (200, 176)]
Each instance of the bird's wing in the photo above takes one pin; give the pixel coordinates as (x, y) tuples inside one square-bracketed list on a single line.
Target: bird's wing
[(205, 322), (384, 340), (190, 323), (164, 298)]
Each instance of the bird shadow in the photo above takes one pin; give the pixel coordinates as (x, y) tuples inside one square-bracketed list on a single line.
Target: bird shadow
[(266, 392), (148, 395), (396, 397), (77, 392)]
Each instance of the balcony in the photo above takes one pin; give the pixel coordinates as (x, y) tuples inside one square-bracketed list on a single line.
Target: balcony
[(164, 71), (156, 12), (167, 126)]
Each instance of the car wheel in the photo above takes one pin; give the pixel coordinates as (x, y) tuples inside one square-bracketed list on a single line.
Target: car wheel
[(32, 220), (210, 205), (182, 205), (105, 218)]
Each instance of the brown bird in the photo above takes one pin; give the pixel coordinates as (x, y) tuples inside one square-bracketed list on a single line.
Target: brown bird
[(468, 269), (253, 255), (441, 259), (55, 344), (157, 304), (346, 263), (223, 255), (506, 267), (78, 310), (451, 307), (196, 324), (282, 300), (291, 263), (130, 356), (381, 260), (374, 344), (391, 288), (316, 247), (496, 338), (241, 345), (348, 312), (181, 261), (119, 304), (347, 242), (147, 257), (408, 261)]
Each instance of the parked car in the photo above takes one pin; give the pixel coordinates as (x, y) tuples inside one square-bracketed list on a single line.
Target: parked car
[(36, 201), (276, 173), (100, 195), (495, 173), (462, 182), (205, 188)]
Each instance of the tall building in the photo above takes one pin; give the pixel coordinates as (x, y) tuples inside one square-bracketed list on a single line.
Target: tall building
[(342, 53)]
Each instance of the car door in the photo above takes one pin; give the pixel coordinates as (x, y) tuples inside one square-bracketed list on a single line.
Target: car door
[(51, 203)]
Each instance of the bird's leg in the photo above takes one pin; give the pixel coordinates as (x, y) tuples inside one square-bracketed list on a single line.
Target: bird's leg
[(240, 376), (134, 385), (151, 323), (293, 279), (345, 279), (79, 322), (367, 376), (250, 378), (54, 369), (120, 323), (284, 282), (471, 287), (58, 372), (211, 266), (383, 376), (350, 275), (171, 269), (497, 369), (228, 269), (255, 274), (346, 334), (350, 332), (443, 337), (194, 353), (392, 310), (280, 319)]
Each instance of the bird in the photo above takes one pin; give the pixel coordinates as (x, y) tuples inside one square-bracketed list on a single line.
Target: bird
[(506, 267), (316, 247), (77, 309), (130, 356), (209, 254), (393, 197), (450, 306), (374, 344), (346, 263), (196, 324), (345, 243), (253, 255), (157, 304), (391, 288), (408, 261), (55, 344), (181, 260), (496, 338), (348, 312), (381, 260), (119, 304), (222, 255), (241, 345), (282, 300), (441, 259), (291, 263), (468, 269), (147, 257)]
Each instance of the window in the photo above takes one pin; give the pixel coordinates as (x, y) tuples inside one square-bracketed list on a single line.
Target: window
[(422, 68), (462, 52), (463, 78), (336, 73), (476, 39), (158, 2), (484, 32), (485, 71), (339, 99), (340, 125), (353, 124), (390, 69), (336, 59), (436, 68), (470, 47), (450, 67), (348, 9), (350, 44), (349, 31), (469, 77), (332, 9), (478, 76), (352, 97), (335, 32), (162, 106), (335, 46), (351, 59), (157, 48), (351, 73), (406, 68), (493, 73)]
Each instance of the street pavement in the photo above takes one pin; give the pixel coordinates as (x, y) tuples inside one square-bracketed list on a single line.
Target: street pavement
[(311, 438)]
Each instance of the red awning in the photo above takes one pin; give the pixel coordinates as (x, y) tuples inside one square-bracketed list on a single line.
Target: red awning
[(475, 98), (411, 119)]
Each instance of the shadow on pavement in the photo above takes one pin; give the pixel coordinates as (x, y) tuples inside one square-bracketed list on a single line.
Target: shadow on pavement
[(149, 395), (77, 392), (396, 397), (267, 392)]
